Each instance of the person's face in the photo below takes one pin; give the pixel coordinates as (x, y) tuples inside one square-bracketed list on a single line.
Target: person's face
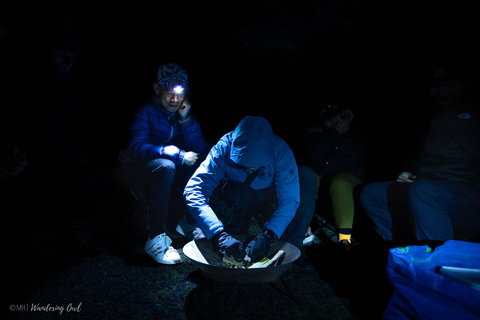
[(170, 100), (333, 121), (445, 93)]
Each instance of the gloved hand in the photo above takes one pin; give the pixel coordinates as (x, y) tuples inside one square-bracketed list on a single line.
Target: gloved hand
[(226, 245), (258, 247)]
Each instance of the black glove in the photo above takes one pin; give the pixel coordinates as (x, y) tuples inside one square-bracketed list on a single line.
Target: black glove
[(226, 245), (258, 247)]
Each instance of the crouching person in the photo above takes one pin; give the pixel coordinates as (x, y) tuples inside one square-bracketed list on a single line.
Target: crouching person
[(243, 164)]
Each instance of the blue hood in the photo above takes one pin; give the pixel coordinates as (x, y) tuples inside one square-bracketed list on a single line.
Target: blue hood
[(252, 142)]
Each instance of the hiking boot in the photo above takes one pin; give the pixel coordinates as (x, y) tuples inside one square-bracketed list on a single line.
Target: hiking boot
[(160, 250), (347, 246)]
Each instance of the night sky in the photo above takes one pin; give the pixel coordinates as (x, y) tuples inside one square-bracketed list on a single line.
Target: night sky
[(284, 60)]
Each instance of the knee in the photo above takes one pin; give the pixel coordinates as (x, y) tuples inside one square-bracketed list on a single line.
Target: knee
[(343, 182), (421, 191), (307, 176), (373, 193), (424, 188), (162, 168)]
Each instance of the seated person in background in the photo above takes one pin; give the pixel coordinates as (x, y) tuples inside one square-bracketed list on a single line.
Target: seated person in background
[(165, 145), (335, 155), (251, 148), (441, 192)]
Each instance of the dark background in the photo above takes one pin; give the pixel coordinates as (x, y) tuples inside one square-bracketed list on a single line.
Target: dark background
[(284, 60)]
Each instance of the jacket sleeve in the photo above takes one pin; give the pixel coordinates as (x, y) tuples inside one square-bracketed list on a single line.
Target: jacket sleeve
[(200, 187), (288, 192), (141, 148), (193, 136)]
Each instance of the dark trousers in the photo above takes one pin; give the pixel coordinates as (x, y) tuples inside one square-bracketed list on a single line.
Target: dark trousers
[(162, 184), (442, 210), (241, 198), (303, 217)]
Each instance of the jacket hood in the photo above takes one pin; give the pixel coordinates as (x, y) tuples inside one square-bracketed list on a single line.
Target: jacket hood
[(252, 142)]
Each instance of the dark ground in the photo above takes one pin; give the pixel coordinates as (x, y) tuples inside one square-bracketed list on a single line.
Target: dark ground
[(121, 282)]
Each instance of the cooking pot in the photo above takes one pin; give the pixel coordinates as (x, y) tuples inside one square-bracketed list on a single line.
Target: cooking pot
[(200, 251)]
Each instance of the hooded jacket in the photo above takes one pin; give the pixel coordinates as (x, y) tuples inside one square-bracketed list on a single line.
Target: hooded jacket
[(157, 133), (251, 145)]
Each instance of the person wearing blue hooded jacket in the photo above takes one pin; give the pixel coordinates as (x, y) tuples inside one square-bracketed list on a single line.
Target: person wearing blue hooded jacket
[(251, 147), (165, 144)]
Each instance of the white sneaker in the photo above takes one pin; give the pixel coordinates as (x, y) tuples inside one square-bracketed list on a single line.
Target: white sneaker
[(160, 250), (311, 238)]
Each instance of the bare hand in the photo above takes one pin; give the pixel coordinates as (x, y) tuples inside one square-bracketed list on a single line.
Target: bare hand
[(406, 177), (190, 158), (184, 110)]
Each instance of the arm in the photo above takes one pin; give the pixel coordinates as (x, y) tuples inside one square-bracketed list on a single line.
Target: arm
[(192, 133), (288, 192), (193, 136), (141, 146), (200, 187)]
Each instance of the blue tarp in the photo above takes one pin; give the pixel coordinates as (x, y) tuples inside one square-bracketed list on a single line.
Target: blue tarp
[(421, 292)]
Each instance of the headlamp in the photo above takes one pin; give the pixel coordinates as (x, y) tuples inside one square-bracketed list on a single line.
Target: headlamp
[(178, 89), (176, 86)]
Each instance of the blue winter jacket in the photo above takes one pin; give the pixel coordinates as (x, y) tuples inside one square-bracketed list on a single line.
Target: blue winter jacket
[(252, 144), (157, 133)]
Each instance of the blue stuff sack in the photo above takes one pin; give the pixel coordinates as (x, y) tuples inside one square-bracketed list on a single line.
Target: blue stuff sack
[(422, 292)]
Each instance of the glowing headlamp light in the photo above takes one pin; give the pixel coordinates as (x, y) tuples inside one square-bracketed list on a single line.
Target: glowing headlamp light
[(178, 89)]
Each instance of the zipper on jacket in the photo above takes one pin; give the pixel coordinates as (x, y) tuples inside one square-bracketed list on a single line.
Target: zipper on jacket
[(171, 120)]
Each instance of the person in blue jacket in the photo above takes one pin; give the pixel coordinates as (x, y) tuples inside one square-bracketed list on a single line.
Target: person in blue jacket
[(250, 148), (165, 145)]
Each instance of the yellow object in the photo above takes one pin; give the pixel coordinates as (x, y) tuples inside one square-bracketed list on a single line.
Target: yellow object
[(341, 194), (232, 263), (342, 236)]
